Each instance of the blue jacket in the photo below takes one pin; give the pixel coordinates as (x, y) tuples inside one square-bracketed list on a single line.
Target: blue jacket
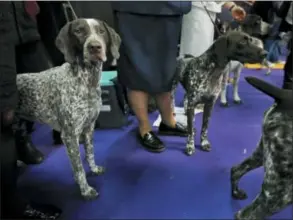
[(153, 8)]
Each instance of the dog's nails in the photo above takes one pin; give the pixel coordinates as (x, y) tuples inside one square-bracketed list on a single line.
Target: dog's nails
[(206, 148), (189, 151), (239, 194), (91, 194)]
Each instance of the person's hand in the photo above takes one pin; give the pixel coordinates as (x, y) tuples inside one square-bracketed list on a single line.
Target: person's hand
[(7, 117), (238, 13)]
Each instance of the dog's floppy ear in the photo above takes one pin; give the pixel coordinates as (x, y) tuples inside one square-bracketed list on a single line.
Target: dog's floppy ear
[(64, 45), (221, 49), (114, 43)]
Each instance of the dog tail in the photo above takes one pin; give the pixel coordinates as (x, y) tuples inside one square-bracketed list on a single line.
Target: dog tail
[(267, 88)]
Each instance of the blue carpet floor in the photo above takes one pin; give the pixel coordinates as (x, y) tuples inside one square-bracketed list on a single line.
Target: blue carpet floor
[(142, 185)]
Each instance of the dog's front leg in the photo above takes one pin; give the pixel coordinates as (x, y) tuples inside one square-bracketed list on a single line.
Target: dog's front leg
[(208, 107), (89, 150), (190, 149), (250, 163), (236, 97), (223, 96), (72, 146)]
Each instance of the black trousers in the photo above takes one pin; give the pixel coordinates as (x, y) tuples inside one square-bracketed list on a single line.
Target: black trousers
[(24, 58), (12, 205)]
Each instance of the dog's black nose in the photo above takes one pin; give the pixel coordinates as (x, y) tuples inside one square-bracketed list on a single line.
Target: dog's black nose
[(263, 54), (95, 47)]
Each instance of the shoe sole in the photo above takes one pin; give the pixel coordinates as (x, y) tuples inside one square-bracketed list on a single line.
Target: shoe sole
[(154, 151), (160, 150)]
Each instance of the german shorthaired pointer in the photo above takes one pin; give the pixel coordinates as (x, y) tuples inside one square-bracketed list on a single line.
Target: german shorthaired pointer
[(201, 77), (254, 26), (274, 152), (68, 97)]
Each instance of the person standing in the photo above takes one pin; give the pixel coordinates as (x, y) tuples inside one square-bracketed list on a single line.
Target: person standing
[(150, 33), (18, 46), (197, 33), (286, 26)]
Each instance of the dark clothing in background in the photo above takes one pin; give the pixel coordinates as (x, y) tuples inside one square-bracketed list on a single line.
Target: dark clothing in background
[(12, 205), (20, 51), (150, 33), (263, 8), (51, 15), (16, 27)]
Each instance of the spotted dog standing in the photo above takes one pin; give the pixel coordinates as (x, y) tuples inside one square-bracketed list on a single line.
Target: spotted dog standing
[(68, 97), (274, 152), (201, 77), (254, 26)]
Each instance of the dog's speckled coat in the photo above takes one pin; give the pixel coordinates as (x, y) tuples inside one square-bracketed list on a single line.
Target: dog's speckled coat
[(275, 153), (202, 76), (68, 97)]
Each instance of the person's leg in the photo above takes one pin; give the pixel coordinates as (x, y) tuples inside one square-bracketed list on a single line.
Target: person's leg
[(164, 103), (30, 58), (138, 101), (11, 205), (139, 104), (169, 126)]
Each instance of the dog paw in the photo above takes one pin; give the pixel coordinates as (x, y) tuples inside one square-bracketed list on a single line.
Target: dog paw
[(90, 194), (239, 194), (205, 146), (189, 150), (98, 170), (237, 102), (224, 104), (268, 73)]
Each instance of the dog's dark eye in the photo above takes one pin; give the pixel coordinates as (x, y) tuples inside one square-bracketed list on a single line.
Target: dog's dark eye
[(78, 30), (101, 31), (244, 40)]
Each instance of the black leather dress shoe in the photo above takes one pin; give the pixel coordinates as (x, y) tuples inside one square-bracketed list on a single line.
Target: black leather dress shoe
[(151, 142), (178, 130), (42, 212)]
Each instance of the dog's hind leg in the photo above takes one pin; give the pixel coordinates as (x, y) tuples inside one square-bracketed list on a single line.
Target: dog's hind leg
[(250, 163), (275, 195), (207, 111), (72, 146), (89, 150), (190, 149), (223, 96), (236, 97)]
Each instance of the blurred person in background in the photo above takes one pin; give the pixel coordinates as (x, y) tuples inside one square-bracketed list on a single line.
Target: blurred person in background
[(198, 28), (282, 9)]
